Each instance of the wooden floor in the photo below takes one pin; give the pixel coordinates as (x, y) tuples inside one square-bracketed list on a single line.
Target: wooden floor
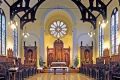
[(51, 76)]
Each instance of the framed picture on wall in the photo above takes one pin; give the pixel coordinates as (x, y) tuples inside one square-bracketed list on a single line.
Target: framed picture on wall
[(30, 54), (86, 53)]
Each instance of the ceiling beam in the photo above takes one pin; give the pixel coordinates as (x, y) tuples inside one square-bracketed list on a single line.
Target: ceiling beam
[(29, 13), (29, 16), (17, 7), (99, 7), (87, 16), (119, 2)]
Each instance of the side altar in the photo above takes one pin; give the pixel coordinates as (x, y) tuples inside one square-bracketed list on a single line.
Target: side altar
[(58, 53)]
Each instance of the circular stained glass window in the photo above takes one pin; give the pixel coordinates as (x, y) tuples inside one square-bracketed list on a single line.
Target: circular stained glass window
[(58, 29)]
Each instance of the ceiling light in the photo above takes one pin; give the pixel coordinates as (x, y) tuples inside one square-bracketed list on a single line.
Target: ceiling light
[(99, 22), (25, 33), (107, 21), (91, 34), (13, 24), (103, 23), (25, 36)]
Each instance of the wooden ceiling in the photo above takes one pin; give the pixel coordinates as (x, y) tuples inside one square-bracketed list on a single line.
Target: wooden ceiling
[(30, 12)]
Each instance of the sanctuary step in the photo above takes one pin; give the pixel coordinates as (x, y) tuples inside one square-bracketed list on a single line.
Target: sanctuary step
[(71, 70), (74, 70), (58, 71)]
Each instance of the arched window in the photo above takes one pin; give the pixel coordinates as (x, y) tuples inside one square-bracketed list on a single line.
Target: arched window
[(114, 32), (2, 33), (101, 40), (15, 37)]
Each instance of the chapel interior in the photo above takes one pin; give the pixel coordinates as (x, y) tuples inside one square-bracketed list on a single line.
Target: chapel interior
[(59, 39)]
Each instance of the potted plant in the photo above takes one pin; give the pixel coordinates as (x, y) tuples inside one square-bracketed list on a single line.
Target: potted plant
[(41, 63), (76, 62)]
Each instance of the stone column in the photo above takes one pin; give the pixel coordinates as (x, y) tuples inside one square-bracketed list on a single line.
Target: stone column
[(42, 43), (75, 49)]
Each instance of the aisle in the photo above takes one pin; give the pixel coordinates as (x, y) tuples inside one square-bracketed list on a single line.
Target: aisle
[(51, 76)]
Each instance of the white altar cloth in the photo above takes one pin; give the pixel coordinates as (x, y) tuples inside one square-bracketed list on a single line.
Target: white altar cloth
[(66, 68), (58, 63)]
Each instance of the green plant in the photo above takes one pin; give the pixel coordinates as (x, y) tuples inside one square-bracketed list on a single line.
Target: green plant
[(41, 63), (76, 62)]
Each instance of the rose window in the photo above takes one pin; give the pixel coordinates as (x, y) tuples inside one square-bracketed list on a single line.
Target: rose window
[(58, 29)]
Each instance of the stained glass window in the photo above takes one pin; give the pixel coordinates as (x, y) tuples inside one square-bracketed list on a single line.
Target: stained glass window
[(114, 32), (2, 33), (58, 29), (15, 37), (101, 40)]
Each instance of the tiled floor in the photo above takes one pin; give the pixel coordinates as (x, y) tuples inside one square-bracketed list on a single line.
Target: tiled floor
[(51, 76)]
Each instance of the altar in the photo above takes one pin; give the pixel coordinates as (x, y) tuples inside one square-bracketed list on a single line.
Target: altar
[(58, 53), (59, 66)]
